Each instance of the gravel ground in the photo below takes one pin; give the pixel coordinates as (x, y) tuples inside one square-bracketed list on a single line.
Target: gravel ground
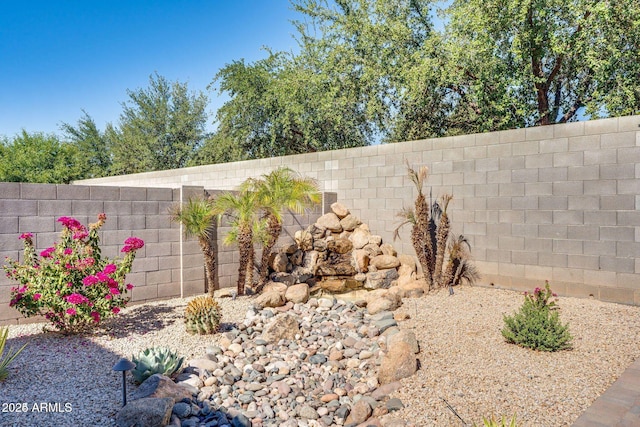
[(60, 380)]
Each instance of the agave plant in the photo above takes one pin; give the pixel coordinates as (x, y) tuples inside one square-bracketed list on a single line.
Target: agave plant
[(202, 315), (155, 360), (6, 360)]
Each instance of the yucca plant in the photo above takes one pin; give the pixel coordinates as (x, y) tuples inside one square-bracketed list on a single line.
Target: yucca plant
[(492, 422), (5, 360), (202, 315), (155, 360)]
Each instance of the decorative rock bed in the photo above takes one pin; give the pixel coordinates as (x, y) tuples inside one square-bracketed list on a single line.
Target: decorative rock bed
[(322, 363)]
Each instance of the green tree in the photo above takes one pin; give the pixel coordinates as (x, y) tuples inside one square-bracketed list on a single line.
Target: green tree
[(94, 157), (38, 157), (241, 208), (280, 190), (198, 220), (542, 62), (160, 128)]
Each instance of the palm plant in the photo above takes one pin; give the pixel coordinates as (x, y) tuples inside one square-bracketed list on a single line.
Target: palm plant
[(442, 236), (198, 220), (242, 208), (280, 190)]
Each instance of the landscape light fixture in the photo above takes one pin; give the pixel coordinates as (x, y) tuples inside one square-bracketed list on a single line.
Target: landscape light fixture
[(124, 365)]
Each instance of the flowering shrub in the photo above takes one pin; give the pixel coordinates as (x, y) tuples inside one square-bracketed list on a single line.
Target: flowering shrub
[(70, 283), (537, 324)]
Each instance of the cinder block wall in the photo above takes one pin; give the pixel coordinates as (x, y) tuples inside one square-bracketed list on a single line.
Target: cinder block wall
[(558, 203), (140, 212)]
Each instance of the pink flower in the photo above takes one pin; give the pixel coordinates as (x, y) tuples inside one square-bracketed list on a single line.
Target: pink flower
[(77, 299), (26, 236), (36, 297), (90, 280), (47, 252), (115, 310), (102, 216), (102, 276), (70, 223), (107, 296), (68, 251), (96, 316), (71, 311), (129, 286), (79, 235), (110, 268), (132, 244), (114, 291)]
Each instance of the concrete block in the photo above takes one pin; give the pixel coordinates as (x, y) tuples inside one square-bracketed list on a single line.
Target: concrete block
[(617, 295), (553, 174), (581, 290), (600, 187), (583, 173), (626, 155), (567, 275), (568, 159), (144, 293), (553, 231), (568, 129), (588, 262), (36, 224), (538, 189), (552, 260), (617, 233), (164, 194), (525, 148), (512, 163), (169, 262), (90, 208), (104, 193), (600, 157), (539, 161), (511, 243), (583, 203), (37, 191), (600, 217), (599, 248), (155, 278), (464, 140), (568, 188), (54, 207), (131, 222), (566, 246), (629, 281), (9, 190), (8, 225), (499, 177), (195, 287), (134, 193), (495, 151), (487, 190), (629, 218), (582, 143), (18, 208), (512, 135), (474, 152), (553, 202), (554, 145), (601, 126), (524, 175), (539, 132), (528, 231), (498, 255), (156, 249), (618, 171), (628, 186), (512, 270), (568, 217), (168, 290), (538, 217), (628, 123), (117, 208), (508, 189), (145, 208), (524, 257), (525, 202), (618, 139)]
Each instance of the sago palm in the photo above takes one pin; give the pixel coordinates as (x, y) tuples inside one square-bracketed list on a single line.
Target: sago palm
[(198, 220), (442, 236), (242, 208), (280, 190), (420, 232)]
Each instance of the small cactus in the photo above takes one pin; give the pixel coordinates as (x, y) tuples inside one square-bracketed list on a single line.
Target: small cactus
[(202, 315), (155, 360)]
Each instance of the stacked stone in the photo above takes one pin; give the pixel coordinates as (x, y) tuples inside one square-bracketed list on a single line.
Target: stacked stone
[(321, 364), (339, 255)]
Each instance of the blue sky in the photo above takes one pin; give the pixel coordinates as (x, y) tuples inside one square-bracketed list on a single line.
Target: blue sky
[(59, 57)]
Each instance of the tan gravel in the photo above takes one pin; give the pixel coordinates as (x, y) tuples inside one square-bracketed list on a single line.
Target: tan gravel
[(464, 360)]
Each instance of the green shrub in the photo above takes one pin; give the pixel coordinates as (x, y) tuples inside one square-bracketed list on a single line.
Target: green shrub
[(537, 324), (6, 360), (155, 360)]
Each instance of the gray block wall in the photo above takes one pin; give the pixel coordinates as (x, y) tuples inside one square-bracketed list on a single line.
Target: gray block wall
[(558, 203)]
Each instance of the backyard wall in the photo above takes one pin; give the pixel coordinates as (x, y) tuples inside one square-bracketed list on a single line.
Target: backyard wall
[(558, 203), (167, 266)]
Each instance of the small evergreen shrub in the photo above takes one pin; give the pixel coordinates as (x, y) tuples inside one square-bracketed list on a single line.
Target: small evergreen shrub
[(537, 324)]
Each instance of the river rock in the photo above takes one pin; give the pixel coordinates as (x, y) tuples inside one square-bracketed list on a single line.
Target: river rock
[(383, 262), (297, 293), (360, 238), (340, 246), (350, 222), (330, 221), (283, 326), (399, 362)]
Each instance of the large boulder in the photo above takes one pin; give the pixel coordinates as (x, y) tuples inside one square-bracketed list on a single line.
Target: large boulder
[(270, 298), (297, 293), (399, 362), (380, 279), (146, 412), (160, 386), (283, 326), (279, 262), (339, 209), (340, 246), (329, 221), (360, 238), (382, 300), (383, 262), (361, 260), (404, 335), (387, 249), (350, 222)]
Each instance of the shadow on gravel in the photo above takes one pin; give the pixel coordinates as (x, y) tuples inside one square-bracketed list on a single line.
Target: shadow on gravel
[(142, 319)]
